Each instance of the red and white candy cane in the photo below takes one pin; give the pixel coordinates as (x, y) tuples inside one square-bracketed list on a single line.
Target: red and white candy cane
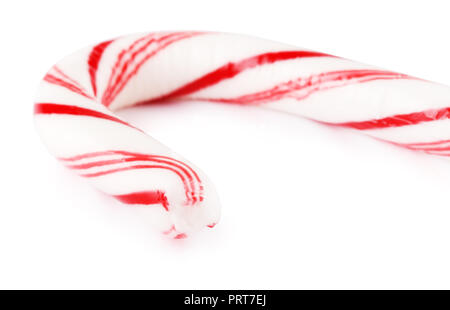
[(76, 99)]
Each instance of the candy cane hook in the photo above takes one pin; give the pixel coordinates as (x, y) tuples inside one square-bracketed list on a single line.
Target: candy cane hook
[(76, 99)]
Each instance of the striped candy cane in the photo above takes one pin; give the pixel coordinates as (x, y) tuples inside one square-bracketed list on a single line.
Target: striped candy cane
[(76, 99)]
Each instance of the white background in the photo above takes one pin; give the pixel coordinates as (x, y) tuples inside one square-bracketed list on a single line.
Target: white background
[(303, 206)]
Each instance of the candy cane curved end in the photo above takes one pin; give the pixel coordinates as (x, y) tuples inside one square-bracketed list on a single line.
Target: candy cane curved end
[(76, 99)]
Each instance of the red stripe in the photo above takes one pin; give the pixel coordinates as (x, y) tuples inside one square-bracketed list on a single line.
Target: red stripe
[(434, 149), (118, 62), (146, 198), (95, 154), (185, 168), (94, 60), (53, 108), (128, 51), (187, 179), (232, 69), (306, 86), (122, 79), (399, 120), (164, 157), (61, 73), (100, 173), (87, 155), (131, 159), (180, 236), (57, 81)]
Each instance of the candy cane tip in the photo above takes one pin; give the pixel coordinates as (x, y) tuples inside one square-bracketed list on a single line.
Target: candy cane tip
[(191, 219), (186, 221)]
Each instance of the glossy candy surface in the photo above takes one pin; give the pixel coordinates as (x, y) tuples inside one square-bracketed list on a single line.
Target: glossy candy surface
[(74, 110)]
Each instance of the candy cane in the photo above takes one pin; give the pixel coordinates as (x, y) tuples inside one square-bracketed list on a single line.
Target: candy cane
[(76, 99)]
